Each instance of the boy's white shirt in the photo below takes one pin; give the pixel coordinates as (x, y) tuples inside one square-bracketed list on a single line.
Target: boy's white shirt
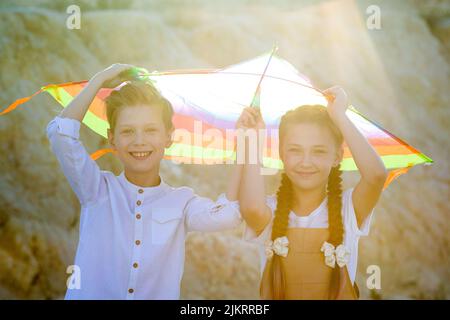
[(317, 219), (109, 227)]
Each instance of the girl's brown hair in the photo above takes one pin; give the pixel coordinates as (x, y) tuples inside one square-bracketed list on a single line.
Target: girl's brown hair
[(316, 114), (136, 93)]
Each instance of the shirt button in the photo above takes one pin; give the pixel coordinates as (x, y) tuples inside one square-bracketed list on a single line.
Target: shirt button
[(141, 191), (138, 202), (135, 265), (138, 216), (137, 242), (130, 290)]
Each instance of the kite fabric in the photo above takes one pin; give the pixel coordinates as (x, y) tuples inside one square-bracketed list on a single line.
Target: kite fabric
[(207, 104)]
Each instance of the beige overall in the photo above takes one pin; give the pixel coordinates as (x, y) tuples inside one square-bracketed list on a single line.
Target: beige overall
[(307, 277)]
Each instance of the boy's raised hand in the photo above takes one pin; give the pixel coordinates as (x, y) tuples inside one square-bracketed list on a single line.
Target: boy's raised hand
[(250, 118), (113, 76)]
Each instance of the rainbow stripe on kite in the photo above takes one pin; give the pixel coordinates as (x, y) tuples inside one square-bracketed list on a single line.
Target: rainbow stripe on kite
[(207, 104)]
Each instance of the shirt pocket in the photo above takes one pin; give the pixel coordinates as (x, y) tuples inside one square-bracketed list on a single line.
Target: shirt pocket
[(165, 224)]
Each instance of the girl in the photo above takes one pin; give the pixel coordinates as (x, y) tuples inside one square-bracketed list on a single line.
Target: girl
[(310, 230)]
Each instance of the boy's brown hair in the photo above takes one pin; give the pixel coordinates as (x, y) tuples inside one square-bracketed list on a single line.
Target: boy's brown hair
[(136, 93)]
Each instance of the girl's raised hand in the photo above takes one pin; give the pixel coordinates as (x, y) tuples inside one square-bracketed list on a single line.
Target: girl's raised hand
[(250, 118), (337, 101), (113, 76)]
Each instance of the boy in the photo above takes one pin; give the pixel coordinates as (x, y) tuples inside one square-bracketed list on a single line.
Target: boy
[(132, 226)]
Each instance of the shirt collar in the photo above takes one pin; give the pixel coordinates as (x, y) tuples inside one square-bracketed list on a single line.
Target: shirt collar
[(144, 191), (313, 214)]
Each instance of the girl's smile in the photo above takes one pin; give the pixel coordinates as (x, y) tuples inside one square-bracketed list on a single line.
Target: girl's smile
[(308, 154), (306, 174)]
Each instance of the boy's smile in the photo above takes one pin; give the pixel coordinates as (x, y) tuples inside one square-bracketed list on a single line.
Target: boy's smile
[(140, 155), (140, 138)]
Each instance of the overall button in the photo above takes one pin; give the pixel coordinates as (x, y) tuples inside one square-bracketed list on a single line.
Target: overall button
[(141, 191), (138, 242), (135, 265), (130, 290), (138, 202), (138, 216)]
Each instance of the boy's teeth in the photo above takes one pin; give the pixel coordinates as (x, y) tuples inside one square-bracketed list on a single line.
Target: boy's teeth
[(140, 154)]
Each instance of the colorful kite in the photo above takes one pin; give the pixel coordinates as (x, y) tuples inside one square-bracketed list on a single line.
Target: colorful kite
[(208, 102)]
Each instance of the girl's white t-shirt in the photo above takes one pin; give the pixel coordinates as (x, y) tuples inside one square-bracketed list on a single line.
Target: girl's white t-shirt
[(318, 219)]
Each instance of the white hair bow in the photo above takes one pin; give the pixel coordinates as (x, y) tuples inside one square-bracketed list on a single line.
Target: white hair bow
[(280, 247), (340, 255)]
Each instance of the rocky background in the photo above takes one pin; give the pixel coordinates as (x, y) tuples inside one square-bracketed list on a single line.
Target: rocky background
[(398, 76)]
